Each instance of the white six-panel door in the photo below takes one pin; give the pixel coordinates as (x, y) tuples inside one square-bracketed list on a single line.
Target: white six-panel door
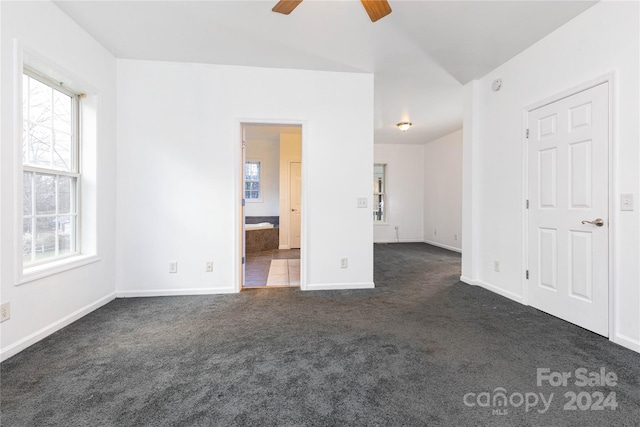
[(568, 150)]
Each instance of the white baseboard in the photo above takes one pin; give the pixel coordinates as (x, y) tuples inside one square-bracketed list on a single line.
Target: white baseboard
[(339, 286), (416, 240), (39, 335), (284, 247), (440, 245), (618, 338), (494, 289), (625, 341), (174, 292)]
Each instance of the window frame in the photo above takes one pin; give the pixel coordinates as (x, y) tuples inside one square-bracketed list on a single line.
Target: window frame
[(57, 262), (259, 199), (381, 194)]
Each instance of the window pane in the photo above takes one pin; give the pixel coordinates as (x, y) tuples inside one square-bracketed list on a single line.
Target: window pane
[(45, 240), (25, 118), (26, 240), (41, 140), (49, 199), (62, 112), (62, 151), (379, 178), (252, 171), (40, 105), (27, 194), (45, 194), (65, 184), (66, 234)]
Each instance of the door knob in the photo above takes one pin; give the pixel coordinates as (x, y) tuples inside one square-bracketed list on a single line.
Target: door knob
[(294, 210), (598, 222)]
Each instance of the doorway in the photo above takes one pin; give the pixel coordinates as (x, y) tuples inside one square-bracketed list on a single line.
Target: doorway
[(272, 209), (568, 208)]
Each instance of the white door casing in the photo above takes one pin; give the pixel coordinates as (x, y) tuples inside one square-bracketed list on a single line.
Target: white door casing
[(568, 160), (295, 212)]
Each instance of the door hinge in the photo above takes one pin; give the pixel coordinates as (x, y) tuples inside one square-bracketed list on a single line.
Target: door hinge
[(243, 260), (527, 274), (527, 204), (527, 133), (243, 202)]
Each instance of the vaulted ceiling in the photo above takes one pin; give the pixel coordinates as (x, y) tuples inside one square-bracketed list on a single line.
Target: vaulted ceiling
[(421, 54)]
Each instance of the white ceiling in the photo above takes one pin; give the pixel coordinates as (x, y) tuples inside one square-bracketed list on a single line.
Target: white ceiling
[(421, 54)]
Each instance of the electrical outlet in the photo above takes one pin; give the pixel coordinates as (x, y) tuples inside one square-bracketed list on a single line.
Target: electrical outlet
[(209, 267), (344, 262), (362, 202), (173, 267), (5, 312), (455, 237), (496, 266), (626, 202), (435, 232)]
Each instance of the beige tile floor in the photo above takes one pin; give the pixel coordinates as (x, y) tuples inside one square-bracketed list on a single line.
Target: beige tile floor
[(259, 267), (284, 272)]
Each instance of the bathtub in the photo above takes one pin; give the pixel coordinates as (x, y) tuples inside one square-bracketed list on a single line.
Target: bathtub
[(259, 226), (263, 236)]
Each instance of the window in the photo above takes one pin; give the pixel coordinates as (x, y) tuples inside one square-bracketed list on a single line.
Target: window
[(379, 188), (252, 181), (51, 173)]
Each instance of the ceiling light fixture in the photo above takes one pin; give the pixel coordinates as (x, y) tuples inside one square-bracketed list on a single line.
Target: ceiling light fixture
[(404, 126)]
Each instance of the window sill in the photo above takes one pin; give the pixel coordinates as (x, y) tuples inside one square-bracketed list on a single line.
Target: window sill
[(49, 269), (381, 223)]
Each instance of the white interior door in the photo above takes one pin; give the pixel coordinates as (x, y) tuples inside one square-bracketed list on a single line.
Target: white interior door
[(568, 185), (295, 187)]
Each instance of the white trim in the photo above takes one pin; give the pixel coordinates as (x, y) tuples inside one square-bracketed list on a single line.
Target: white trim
[(443, 246), (284, 247), (494, 289), (625, 341), (414, 240), (39, 335), (41, 271), (25, 56), (610, 79), (174, 292), (238, 278), (338, 286)]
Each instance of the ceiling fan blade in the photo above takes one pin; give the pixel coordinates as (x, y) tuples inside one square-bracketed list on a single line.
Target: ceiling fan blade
[(286, 6), (376, 8)]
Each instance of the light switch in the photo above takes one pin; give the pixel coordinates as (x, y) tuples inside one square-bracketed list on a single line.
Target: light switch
[(626, 202), (362, 202)]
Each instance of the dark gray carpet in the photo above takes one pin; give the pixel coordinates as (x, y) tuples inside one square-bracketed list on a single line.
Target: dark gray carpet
[(403, 354)]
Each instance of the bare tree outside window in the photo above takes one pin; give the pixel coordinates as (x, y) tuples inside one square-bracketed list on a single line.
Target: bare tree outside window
[(50, 171)]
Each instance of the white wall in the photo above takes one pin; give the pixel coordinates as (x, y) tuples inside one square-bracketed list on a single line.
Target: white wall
[(179, 169), (443, 192), (603, 39), (40, 31), (404, 192), (268, 153)]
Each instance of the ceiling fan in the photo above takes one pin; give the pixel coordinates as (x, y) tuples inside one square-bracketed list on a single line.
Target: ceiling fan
[(375, 8)]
